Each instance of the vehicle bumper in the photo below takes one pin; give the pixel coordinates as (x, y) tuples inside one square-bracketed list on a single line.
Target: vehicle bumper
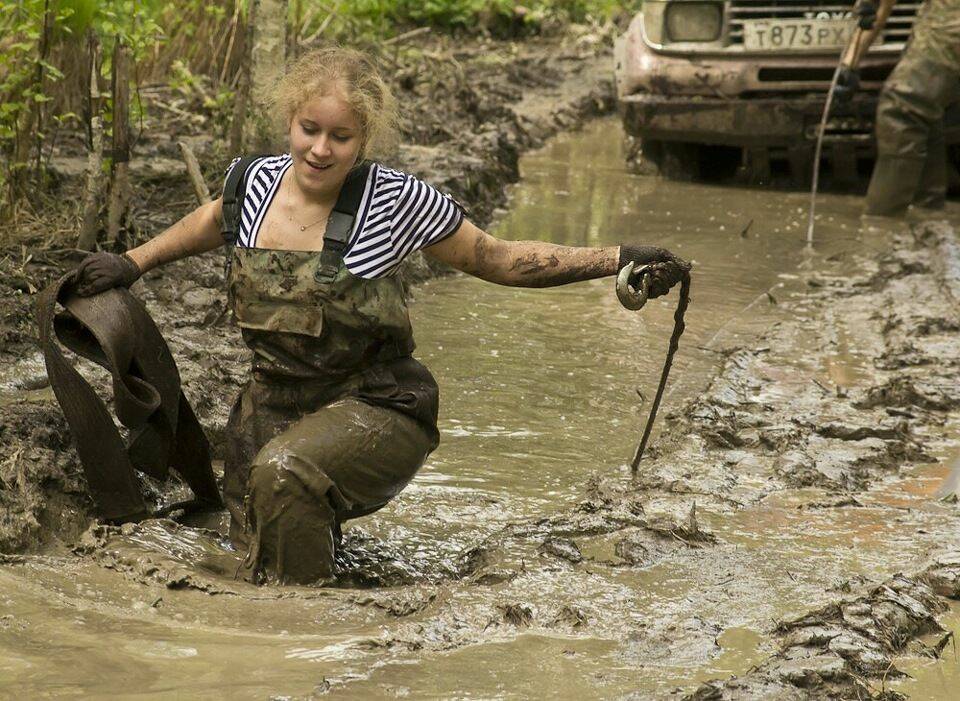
[(731, 74), (775, 121)]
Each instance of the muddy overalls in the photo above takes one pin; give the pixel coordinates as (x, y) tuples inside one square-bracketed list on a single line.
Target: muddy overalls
[(911, 163), (337, 417)]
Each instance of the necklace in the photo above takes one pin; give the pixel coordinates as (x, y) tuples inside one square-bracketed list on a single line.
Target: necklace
[(303, 227)]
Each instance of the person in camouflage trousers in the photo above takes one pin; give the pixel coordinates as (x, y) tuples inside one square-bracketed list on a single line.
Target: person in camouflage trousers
[(337, 416), (911, 163)]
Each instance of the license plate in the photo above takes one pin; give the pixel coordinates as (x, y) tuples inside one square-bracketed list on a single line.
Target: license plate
[(796, 34)]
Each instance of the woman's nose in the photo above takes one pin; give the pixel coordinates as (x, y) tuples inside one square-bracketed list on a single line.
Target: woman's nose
[(321, 146)]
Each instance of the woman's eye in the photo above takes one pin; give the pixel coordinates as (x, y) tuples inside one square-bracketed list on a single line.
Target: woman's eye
[(308, 130), (342, 138)]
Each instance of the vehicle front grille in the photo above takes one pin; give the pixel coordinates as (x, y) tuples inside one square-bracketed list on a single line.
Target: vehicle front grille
[(896, 30)]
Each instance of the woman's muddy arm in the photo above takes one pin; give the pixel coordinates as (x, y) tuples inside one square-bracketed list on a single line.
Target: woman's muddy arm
[(522, 263), (198, 232)]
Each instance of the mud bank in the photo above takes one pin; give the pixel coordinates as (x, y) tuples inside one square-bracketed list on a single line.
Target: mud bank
[(856, 386), (464, 134), (846, 649)]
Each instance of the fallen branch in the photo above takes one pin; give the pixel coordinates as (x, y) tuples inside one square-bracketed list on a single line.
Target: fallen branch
[(406, 35), (200, 188)]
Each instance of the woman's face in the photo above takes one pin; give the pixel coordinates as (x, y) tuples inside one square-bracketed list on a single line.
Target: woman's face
[(325, 140)]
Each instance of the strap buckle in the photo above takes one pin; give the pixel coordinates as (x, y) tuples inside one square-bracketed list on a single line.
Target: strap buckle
[(328, 267)]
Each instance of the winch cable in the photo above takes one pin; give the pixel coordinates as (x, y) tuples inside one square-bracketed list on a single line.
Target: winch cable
[(678, 327), (854, 41)]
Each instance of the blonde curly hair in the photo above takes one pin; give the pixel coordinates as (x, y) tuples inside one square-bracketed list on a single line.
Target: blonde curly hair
[(363, 87)]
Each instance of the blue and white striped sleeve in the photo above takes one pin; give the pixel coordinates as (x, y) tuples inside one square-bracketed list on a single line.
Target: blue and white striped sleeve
[(422, 216)]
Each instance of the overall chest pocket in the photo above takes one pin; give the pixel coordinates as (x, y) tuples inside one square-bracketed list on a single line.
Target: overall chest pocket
[(276, 291)]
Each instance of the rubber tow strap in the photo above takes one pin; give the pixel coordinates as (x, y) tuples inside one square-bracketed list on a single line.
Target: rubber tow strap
[(114, 330), (678, 327)]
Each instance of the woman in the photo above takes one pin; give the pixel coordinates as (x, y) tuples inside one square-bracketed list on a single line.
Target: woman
[(337, 416)]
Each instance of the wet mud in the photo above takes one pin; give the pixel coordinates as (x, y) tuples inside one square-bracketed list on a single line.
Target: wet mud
[(807, 426), (847, 648)]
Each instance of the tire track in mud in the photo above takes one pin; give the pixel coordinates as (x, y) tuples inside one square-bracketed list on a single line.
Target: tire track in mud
[(768, 426), (767, 423)]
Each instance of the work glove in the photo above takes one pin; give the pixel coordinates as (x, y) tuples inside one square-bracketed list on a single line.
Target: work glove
[(866, 13), (666, 269), (103, 271), (848, 82)]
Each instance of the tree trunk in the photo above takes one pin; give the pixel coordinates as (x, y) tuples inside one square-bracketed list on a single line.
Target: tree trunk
[(268, 56), (252, 128), (118, 211), (241, 98), (89, 226), (29, 127), (41, 75)]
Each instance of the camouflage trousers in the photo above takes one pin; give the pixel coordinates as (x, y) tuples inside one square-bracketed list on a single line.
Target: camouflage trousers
[(911, 150), (293, 474)]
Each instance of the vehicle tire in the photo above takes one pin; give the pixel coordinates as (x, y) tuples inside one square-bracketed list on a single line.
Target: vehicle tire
[(638, 160), (673, 159)]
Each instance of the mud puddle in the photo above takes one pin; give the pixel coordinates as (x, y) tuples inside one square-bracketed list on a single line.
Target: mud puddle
[(521, 562), (935, 675)]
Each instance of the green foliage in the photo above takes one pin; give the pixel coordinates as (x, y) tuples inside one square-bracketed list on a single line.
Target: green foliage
[(39, 41), (25, 74), (79, 15), (381, 18), (195, 44)]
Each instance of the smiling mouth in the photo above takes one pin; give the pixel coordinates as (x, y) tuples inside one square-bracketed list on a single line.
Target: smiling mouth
[(317, 166)]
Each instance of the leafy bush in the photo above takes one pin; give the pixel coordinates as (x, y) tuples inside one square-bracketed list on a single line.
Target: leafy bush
[(382, 17)]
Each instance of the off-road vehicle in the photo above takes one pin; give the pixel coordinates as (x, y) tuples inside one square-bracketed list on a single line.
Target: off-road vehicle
[(713, 87)]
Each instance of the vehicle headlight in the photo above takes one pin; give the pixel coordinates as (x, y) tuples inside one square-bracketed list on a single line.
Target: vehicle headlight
[(694, 21)]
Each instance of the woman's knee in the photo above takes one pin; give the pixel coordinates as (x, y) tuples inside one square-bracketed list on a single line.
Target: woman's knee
[(281, 476)]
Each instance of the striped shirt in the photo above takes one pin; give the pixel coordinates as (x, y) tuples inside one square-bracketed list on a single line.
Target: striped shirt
[(398, 214)]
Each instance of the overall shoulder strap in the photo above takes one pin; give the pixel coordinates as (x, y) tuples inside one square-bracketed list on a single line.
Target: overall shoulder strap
[(233, 191), (341, 220)]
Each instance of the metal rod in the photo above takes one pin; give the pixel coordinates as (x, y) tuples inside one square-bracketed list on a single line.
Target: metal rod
[(815, 181)]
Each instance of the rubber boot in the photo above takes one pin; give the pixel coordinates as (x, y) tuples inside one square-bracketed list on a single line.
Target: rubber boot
[(293, 526), (932, 188), (893, 185)]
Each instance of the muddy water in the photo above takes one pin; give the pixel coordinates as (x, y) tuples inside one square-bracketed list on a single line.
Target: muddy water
[(539, 392), (931, 677)]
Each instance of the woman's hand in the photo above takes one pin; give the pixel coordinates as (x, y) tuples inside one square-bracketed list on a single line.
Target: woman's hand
[(102, 271), (195, 233), (664, 268)]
